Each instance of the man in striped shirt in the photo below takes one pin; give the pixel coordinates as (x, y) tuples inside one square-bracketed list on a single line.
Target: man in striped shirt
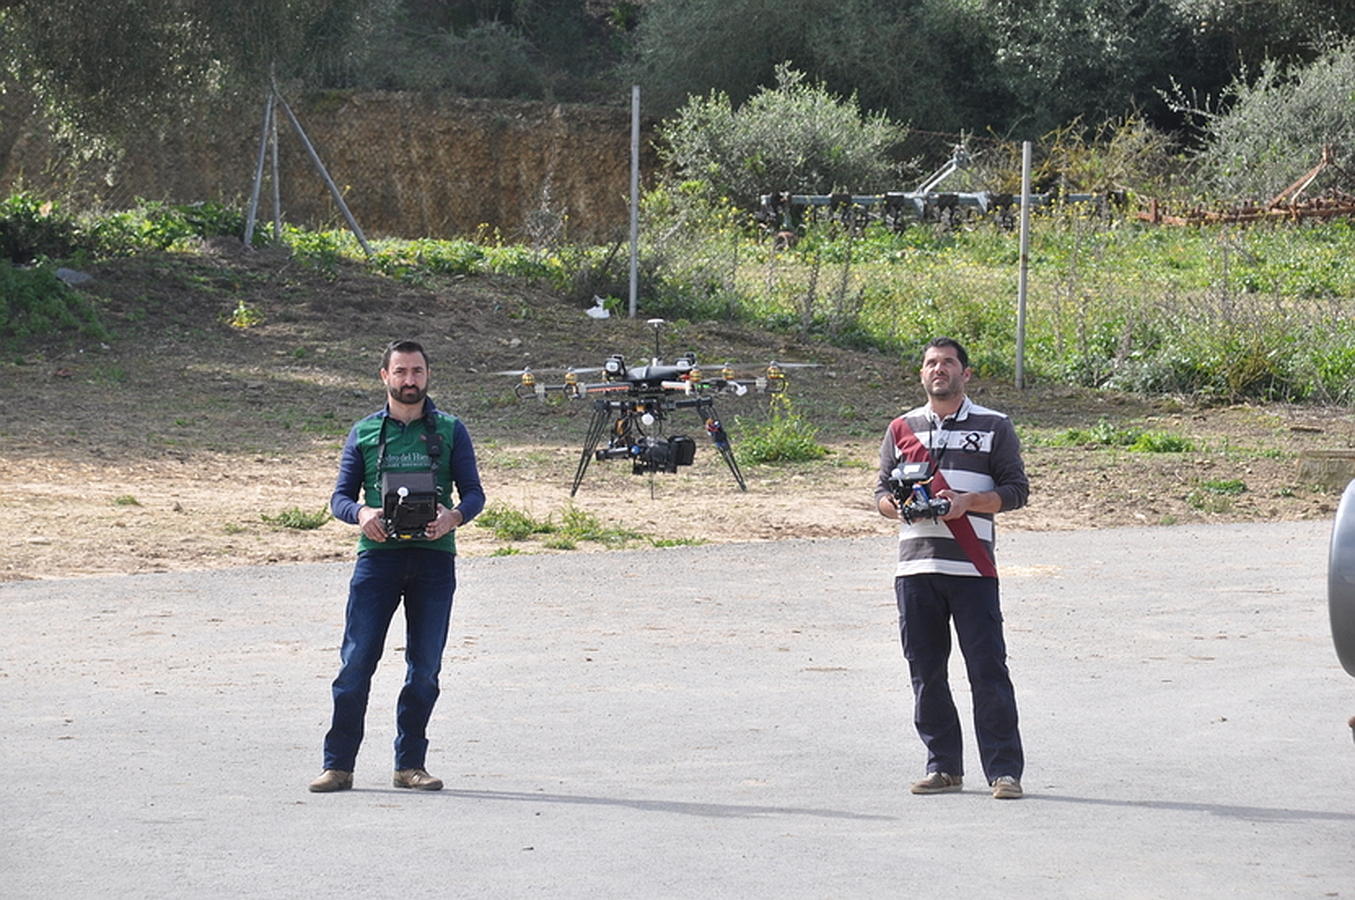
[(946, 571)]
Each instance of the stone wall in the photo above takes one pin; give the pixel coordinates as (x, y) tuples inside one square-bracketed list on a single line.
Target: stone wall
[(408, 165)]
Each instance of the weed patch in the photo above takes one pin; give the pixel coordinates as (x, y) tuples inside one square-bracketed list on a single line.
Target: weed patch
[(297, 518)]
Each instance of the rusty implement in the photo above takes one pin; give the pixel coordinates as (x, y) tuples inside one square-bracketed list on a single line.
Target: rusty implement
[(1284, 206)]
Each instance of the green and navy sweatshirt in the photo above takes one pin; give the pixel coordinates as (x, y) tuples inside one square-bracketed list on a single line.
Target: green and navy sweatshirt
[(407, 451)]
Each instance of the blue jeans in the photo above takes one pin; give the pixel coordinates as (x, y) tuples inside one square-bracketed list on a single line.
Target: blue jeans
[(927, 605), (425, 580)]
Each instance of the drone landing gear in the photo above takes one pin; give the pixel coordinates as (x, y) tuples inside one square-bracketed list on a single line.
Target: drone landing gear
[(721, 442), (597, 426)]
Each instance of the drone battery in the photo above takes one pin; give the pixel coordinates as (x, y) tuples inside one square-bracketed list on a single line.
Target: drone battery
[(683, 450)]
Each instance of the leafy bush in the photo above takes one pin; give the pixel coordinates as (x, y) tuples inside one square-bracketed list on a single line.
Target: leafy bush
[(32, 229), (785, 437), (1224, 486), (34, 303), (1159, 442), (794, 137), (1104, 433), (1266, 130), (153, 225)]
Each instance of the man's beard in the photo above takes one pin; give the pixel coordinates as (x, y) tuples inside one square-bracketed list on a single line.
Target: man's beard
[(943, 391), (409, 393)]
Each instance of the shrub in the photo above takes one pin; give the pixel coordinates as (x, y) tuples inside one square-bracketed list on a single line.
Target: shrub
[(34, 303), (1267, 129), (786, 437), (153, 225), (32, 229), (794, 137)]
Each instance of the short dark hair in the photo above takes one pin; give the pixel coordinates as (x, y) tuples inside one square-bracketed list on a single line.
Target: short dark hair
[(403, 347), (952, 344)]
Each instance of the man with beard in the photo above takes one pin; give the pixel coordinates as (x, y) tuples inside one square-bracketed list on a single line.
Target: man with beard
[(409, 435), (946, 572)]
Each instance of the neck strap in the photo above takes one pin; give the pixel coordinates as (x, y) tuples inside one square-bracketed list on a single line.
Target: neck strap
[(431, 436)]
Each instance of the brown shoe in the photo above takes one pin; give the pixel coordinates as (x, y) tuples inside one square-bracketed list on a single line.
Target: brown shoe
[(938, 783), (418, 779), (332, 780), (1007, 787)]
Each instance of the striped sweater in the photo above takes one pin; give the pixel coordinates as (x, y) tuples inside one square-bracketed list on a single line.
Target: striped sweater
[(978, 451)]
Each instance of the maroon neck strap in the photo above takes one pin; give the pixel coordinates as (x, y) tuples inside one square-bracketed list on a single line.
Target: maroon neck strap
[(912, 450)]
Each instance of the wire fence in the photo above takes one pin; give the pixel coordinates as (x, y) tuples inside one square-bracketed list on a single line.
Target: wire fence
[(1238, 311), (1234, 311)]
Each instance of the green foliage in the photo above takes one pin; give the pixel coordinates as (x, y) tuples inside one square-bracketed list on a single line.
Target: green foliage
[(579, 525), (32, 228), (786, 437), (297, 518), (511, 524), (1224, 486), (111, 69), (797, 137), (1158, 442), (153, 225), (245, 315), (1106, 434), (1264, 131), (126, 500), (117, 70), (561, 50), (676, 542), (35, 304)]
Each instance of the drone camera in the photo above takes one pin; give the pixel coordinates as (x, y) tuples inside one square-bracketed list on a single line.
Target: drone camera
[(409, 504), (909, 482), (653, 454), (665, 455), (615, 366)]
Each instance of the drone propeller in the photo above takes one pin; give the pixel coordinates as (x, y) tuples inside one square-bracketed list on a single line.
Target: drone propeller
[(729, 368), (528, 370)]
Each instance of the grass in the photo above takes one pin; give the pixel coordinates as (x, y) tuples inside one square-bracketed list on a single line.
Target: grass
[(509, 523), (1256, 313), (1136, 440), (785, 437), (297, 518)]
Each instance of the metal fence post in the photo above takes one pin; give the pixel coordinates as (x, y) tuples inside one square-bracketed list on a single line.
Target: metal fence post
[(634, 196), (324, 173), (253, 212), (1024, 267)]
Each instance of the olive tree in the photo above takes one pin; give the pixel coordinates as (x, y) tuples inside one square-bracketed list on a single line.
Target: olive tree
[(796, 136)]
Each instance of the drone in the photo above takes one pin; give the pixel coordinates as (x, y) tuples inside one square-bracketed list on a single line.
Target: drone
[(632, 405)]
